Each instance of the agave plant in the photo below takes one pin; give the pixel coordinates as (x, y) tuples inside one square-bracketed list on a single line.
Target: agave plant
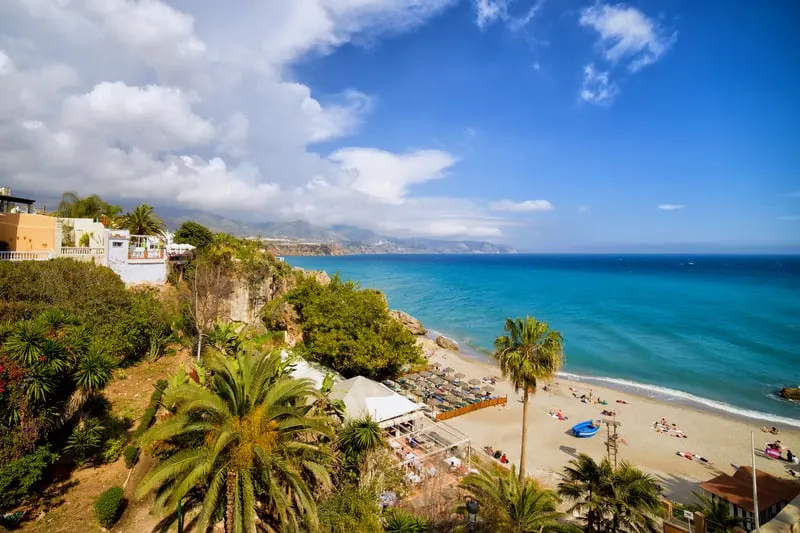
[(398, 521)]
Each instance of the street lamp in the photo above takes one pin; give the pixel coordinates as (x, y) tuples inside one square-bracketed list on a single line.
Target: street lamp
[(472, 512)]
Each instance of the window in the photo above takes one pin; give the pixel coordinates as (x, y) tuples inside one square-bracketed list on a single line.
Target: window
[(116, 244)]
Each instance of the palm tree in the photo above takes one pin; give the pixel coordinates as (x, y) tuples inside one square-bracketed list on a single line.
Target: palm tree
[(515, 505), (530, 351), (622, 499), (718, 514), (398, 521), (92, 206), (360, 436), (247, 439), (143, 221)]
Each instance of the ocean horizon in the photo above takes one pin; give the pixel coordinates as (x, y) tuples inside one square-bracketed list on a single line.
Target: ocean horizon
[(717, 331)]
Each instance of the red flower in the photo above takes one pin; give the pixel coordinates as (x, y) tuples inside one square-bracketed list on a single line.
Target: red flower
[(41, 358)]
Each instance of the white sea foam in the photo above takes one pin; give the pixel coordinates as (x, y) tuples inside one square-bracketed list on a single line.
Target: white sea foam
[(664, 393)]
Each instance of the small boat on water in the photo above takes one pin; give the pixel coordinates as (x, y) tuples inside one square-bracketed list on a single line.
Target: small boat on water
[(585, 429)]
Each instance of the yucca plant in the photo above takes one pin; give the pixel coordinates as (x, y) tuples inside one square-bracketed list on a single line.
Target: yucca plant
[(85, 439), (94, 370)]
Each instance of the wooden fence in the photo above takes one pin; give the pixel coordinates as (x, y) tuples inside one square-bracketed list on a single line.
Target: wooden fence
[(472, 407)]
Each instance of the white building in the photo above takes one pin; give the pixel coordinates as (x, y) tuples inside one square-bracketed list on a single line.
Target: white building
[(136, 258)]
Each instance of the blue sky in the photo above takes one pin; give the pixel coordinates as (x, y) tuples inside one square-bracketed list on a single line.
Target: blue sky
[(551, 125)]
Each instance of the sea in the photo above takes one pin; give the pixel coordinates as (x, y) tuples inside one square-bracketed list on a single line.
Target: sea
[(719, 332)]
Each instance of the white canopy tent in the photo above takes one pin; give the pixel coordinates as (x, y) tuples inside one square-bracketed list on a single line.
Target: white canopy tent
[(362, 396)]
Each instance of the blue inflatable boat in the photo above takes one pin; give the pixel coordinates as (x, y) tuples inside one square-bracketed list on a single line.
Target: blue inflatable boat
[(585, 429)]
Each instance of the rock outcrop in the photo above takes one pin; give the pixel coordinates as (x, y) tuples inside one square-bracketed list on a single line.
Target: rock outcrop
[(447, 344), (790, 393), (284, 317), (246, 299), (411, 324)]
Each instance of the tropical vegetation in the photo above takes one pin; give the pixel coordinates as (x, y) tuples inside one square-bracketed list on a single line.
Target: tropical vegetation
[(610, 499), (514, 505), (248, 438), (348, 329), (73, 206), (142, 220), (64, 327), (718, 514), (529, 352)]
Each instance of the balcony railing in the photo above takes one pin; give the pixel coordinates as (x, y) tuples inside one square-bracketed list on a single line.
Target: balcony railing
[(98, 255), (81, 252), (26, 256), (145, 253)]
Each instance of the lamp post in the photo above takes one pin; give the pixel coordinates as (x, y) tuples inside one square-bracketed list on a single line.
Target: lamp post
[(472, 512)]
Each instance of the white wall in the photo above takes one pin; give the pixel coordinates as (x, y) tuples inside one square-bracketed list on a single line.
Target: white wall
[(132, 271), (87, 225)]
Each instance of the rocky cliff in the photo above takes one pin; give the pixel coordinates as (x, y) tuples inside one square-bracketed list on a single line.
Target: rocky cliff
[(246, 299)]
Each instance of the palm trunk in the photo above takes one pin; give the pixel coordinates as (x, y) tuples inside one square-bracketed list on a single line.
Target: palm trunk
[(230, 503), (524, 451)]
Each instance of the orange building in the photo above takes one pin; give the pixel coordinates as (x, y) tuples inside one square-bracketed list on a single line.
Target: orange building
[(25, 232)]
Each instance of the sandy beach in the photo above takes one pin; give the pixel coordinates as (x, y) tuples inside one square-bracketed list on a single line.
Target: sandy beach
[(723, 440)]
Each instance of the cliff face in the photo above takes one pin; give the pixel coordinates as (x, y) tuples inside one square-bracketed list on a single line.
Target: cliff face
[(246, 299)]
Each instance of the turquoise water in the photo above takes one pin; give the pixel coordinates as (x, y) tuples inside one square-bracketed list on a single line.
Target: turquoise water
[(722, 331)]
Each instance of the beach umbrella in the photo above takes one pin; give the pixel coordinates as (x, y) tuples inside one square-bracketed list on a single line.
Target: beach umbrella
[(451, 379), (452, 399), (436, 365), (460, 375), (449, 370), (488, 388), (474, 381), (432, 402), (437, 380), (426, 374)]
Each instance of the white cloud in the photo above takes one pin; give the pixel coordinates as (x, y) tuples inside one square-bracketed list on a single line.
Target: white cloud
[(583, 209), (488, 12), (671, 207), (153, 117), (386, 176), (521, 207), (597, 87), (199, 109), (627, 34)]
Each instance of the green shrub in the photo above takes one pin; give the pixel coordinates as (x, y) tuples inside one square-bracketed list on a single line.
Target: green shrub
[(131, 454), (350, 330), (19, 478), (109, 506), (112, 449)]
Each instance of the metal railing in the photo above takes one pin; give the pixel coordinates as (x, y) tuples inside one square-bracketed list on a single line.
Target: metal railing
[(139, 253), (26, 256)]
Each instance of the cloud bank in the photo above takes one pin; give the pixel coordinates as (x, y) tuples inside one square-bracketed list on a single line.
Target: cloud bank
[(200, 109)]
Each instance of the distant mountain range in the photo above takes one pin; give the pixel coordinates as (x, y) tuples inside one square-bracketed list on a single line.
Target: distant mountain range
[(349, 239), (343, 238)]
